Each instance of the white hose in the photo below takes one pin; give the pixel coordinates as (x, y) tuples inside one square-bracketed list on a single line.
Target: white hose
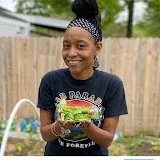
[(5, 137)]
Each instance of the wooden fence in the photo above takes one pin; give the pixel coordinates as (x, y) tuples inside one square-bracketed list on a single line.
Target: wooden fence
[(23, 62)]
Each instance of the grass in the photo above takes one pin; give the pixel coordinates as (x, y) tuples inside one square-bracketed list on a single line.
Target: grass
[(127, 146)]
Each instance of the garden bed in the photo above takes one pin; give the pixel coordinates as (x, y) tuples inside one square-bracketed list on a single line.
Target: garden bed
[(139, 145)]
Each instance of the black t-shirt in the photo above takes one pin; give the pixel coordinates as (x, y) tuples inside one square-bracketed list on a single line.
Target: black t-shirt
[(103, 90)]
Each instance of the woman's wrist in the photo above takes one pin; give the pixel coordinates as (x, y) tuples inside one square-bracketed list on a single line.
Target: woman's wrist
[(86, 125), (55, 129)]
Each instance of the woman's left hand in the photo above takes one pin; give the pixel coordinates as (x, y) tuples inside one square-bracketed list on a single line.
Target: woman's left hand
[(83, 124)]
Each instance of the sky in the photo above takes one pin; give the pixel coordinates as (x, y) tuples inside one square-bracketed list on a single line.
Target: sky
[(138, 14), (9, 4)]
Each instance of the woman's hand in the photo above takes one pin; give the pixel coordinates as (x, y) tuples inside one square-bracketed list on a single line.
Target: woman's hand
[(83, 124), (68, 124)]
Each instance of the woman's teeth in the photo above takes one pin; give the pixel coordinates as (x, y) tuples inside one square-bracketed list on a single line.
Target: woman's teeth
[(73, 62)]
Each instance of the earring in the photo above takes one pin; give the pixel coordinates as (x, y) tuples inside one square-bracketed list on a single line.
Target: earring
[(95, 63)]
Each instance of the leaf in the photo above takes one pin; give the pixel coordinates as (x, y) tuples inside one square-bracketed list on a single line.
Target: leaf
[(68, 116), (77, 111), (85, 110), (81, 117)]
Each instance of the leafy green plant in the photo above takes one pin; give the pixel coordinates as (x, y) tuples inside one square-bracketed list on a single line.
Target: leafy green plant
[(77, 113), (20, 147), (1, 135), (156, 148)]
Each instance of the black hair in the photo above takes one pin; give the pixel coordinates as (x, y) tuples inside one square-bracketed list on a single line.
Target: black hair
[(89, 10)]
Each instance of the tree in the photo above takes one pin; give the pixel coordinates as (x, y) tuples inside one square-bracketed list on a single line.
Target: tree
[(109, 11), (121, 26), (50, 8), (150, 26), (130, 5), (62, 9)]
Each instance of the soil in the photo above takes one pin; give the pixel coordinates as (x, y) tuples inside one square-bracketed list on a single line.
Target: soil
[(28, 147), (24, 147), (146, 150)]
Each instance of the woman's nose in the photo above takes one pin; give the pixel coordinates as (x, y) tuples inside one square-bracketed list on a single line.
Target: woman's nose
[(72, 52)]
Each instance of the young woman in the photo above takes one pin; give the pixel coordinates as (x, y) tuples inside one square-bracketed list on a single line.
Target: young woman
[(80, 84)]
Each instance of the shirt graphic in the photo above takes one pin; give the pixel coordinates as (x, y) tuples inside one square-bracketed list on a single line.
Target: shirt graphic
[(83, 101)]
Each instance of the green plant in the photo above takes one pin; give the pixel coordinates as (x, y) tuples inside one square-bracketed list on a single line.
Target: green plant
[(1, 135), (20, 147), (156, 148)]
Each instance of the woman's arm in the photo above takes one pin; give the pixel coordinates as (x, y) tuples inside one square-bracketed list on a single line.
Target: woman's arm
[(46, 119), (104, 136)]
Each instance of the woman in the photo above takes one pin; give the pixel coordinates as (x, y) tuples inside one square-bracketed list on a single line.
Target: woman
[(80, 85)]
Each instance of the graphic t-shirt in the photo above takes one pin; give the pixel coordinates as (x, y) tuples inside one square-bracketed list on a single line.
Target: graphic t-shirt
[(104, 91)]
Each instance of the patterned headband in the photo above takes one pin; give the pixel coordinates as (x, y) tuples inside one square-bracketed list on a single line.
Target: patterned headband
[(85, 24)]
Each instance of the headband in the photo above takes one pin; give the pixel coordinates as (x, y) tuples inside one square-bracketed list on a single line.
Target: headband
[(85, 24)]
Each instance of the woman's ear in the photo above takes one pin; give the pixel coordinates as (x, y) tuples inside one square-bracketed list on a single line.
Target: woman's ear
[(98, 48)]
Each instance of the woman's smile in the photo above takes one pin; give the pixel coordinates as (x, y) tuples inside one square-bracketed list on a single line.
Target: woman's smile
[(74, 61)]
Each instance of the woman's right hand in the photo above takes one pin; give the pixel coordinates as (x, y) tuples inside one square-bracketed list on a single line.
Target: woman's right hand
[(68, 124)]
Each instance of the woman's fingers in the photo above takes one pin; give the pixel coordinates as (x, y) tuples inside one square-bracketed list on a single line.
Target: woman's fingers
[(83, 124), (68, 124)]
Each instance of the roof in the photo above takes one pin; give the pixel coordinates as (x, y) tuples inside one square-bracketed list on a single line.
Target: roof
[(3, 9), (47, 22), (9, 14)]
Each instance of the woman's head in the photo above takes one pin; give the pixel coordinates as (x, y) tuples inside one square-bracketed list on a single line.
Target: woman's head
[(82, 39)]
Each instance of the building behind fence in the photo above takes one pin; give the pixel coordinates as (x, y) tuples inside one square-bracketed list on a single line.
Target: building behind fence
[(23, 62)]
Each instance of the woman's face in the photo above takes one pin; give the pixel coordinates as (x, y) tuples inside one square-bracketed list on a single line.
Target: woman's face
[(79, 49)]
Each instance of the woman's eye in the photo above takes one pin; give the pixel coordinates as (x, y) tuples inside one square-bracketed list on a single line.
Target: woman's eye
[(82, 45), (65, 45)]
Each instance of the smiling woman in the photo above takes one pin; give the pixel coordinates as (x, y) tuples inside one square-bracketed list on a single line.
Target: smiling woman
[(67, 125), (79, 50)]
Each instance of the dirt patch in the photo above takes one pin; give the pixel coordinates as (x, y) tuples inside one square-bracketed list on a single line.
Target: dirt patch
[(24, 147), (117, 150), (146, 149)]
